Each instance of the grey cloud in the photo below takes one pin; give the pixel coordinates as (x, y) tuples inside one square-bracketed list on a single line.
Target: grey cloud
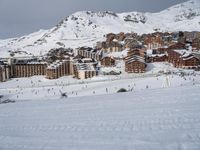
[(19, 17)]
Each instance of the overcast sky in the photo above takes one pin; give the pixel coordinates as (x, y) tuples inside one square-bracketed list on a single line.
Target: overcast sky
[(19, 17)]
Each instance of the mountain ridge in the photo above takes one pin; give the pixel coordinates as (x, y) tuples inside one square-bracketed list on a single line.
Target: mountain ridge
[(85, 28)]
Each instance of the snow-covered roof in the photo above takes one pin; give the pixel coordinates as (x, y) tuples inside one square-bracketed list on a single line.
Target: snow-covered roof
[(53, 66), (121, 54), (149, 51), (158, 55), (91, 50), (135, 58), (56, 64), (85, 67), (183, 52), (189, 57), (108, 56), (115, 40), (37, 63)]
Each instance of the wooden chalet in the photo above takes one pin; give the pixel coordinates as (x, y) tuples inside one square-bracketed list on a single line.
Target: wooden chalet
[(157, 55), (113, 46), (153, 41), (136, 51), (183, 59), (135, 64), (108, 61)]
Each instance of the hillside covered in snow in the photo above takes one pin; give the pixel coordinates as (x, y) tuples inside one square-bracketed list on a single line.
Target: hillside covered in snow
[(86, 28)]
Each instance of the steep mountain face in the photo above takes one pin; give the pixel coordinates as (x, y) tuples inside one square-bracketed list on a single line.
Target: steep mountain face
[(87, 27)]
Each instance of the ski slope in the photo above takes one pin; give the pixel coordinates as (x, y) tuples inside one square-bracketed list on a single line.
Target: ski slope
[(159, 111), (40, 88), (154, 119)]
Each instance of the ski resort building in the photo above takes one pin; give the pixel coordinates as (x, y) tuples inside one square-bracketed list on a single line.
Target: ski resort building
[(29, 69), (131, 43), (4, 73), (157, 58), (59, 69), (135, 64), (113, 46), (183, 59), (157, 55), (177, 45), (135, 61), (108, 61), (136, 51), (110, 45), (118, 37), (89, 52), (153, 41), (84, 70), (26, 67)]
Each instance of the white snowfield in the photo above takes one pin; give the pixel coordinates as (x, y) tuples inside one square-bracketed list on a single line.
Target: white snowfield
[(39, 88), (164, 119), (158, 113), (85, 28)]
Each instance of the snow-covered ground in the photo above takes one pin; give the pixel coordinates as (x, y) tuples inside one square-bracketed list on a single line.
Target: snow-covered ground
[(153, 119), (159, 111), (39, 88)]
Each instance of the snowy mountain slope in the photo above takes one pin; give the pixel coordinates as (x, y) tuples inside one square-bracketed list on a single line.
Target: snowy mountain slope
[(86, 28), (146, 120)]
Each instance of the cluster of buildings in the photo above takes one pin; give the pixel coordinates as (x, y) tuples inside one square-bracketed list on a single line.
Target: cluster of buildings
[(177, 54), (56, 64), (178, 48)]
